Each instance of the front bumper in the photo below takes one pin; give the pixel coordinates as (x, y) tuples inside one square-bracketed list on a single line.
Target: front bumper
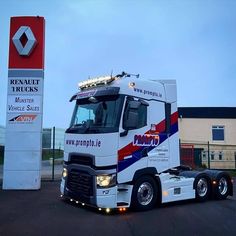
[(80, 186)]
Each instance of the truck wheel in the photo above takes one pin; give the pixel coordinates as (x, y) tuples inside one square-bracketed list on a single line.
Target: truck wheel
[(222, 189), (144, 194), (202, 188)]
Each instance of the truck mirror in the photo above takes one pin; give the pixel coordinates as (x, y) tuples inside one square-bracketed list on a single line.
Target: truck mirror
[(134, 104), (132, 120)]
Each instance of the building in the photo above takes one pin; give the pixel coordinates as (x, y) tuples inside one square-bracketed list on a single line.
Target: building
[(209, 135)]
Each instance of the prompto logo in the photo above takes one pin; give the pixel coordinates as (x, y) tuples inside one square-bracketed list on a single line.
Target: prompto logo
[(23, 119), (146, 140)]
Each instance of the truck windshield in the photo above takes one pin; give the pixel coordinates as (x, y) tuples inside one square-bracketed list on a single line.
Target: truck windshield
[(96, 115)]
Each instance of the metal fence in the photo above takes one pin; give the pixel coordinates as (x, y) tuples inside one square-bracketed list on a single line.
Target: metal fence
[(192, 153), (52, 154), (208, 155)]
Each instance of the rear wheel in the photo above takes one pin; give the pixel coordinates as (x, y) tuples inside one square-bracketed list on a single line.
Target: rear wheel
[(202, 188), (222, 189), (144, 195)]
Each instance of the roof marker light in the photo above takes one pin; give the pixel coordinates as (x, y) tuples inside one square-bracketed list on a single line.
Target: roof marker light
[(96, 81), (131, 84)]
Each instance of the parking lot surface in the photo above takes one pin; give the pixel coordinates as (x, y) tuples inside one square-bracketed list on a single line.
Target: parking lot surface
[(44, 213)]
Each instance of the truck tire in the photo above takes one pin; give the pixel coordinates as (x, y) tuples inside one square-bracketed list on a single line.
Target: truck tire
[(144, 194), (222, 187), (202, 188)]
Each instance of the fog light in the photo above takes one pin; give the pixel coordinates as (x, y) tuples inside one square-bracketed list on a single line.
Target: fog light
[(108, 210)]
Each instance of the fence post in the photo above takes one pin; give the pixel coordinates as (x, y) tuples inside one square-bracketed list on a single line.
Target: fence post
[(53, 151), (208, 154), (235, 159)]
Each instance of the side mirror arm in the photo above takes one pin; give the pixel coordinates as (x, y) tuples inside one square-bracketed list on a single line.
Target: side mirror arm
[(124, 133)]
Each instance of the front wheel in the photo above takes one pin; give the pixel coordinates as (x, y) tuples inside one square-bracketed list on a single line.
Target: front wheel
[(144, 195)]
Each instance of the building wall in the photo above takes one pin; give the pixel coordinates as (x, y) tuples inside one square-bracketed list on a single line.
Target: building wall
[(200, 130)]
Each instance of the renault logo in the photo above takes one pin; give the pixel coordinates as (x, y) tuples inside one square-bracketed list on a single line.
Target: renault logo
[(24, 40)]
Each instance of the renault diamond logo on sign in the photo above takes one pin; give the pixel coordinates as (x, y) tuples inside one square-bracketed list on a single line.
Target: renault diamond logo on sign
[(24, 40)]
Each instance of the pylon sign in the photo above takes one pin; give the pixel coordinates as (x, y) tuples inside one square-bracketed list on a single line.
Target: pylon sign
[(23, 146)]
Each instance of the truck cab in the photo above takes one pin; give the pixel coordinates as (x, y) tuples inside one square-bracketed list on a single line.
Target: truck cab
[(122, 144)]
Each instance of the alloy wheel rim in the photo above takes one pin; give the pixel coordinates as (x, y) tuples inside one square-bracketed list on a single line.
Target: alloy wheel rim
[(202, 187), (145, 193)]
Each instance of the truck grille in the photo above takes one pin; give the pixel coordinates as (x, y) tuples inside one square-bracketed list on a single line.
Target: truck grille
[(80, 183), (81, 160)]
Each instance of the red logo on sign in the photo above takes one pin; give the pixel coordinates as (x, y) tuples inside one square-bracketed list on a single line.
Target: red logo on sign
[(23, 118)]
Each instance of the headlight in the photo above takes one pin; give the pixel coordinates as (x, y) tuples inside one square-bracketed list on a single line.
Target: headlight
[(64, 173), (106, 180)]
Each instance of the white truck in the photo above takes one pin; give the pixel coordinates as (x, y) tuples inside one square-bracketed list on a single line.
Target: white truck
[(122, 148)]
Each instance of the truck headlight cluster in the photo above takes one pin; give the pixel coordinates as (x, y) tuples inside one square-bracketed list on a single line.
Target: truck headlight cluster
[(64, 173), (106, 180)]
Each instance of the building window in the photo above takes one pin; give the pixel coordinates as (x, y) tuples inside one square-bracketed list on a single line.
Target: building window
[(220, 156), (218, 133), (212, 155), (204, 155)]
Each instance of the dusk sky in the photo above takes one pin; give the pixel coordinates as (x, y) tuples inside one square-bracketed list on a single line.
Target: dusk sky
[(192, 41)]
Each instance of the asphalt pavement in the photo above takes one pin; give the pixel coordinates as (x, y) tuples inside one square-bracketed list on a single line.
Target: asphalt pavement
[(43, 212)]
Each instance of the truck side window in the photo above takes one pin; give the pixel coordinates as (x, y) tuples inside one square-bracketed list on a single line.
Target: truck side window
[(168, 117), (142, 115)]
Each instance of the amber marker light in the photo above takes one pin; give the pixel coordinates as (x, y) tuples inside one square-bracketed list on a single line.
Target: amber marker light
[(131, 84), (165, 193)]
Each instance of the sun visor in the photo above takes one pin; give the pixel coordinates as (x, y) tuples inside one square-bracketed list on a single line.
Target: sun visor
[(105, 91)]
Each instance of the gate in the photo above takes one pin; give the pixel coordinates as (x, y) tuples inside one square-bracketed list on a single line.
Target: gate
[(187, 155)]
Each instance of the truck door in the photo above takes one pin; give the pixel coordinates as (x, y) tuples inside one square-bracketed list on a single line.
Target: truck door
[(132, 150), (158, 156)]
